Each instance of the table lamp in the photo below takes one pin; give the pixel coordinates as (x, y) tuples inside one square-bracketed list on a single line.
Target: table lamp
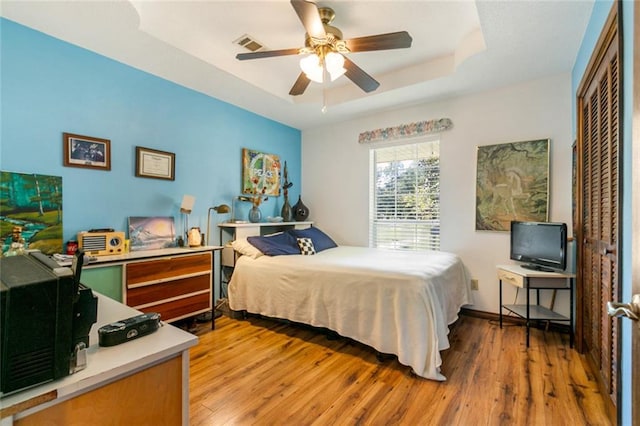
[(221, 209), (185, 208)]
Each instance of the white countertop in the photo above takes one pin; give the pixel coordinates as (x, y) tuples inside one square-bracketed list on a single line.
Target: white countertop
[(141, 254), (106, 364), (530, 273), (260, 224)]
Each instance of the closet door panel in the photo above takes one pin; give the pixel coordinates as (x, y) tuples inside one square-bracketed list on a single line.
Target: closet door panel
[(599, 175)]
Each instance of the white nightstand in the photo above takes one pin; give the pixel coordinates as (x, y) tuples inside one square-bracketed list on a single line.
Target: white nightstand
[(230, 231), (528, 280)]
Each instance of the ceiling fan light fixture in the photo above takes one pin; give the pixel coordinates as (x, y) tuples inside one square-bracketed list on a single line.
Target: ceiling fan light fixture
[(312, 67), (335, 65), (325, 45)]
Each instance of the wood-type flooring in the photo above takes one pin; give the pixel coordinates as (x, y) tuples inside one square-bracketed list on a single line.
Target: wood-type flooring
[(262, 371)]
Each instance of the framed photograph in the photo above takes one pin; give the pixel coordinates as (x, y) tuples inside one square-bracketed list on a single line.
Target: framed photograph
[(512, 183), (151, 163), (260, 173), (86, 151)]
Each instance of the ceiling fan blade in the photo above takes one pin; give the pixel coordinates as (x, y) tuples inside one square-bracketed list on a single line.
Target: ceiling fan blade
[(300, 85), (398, 40), (310, 18), (359, 77), (267, 54)]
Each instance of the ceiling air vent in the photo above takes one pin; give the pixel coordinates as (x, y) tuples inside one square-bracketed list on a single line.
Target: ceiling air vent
[(249, 43)]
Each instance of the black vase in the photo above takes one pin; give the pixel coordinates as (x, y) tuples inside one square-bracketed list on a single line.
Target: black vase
[(300, 211), (286, 211)]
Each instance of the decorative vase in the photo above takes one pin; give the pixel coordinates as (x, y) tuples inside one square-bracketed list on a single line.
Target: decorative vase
[(286, 211), (300, 211), (255, 215)]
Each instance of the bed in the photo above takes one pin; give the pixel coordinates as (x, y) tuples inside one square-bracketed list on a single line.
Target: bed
[(396, 302)]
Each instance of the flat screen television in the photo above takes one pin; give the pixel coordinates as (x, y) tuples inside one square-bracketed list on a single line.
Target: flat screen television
[(540, 246)]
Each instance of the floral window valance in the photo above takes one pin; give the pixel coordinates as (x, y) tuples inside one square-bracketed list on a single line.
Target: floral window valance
[(406, 130)]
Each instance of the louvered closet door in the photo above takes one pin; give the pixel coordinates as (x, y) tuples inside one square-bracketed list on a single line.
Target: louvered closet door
[(598, 255)]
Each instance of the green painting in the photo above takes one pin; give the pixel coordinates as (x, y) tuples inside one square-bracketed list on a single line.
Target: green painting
[(31, 204), (512, 183)]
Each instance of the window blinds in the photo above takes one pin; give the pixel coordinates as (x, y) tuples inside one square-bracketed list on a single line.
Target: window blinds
[(405, 196)]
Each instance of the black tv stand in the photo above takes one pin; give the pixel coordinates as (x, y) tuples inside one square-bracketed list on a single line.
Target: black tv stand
[(533, 267)]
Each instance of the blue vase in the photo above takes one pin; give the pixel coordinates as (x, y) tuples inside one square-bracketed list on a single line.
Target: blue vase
[(255, 215)]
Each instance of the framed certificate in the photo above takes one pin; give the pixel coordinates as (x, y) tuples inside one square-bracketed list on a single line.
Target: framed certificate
[(151, 163)]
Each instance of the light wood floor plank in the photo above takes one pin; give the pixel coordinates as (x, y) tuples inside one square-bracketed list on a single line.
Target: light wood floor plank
[(267, 372)]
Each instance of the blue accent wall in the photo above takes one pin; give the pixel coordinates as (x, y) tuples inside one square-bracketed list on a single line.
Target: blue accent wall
[(601, 9), (49, 87)]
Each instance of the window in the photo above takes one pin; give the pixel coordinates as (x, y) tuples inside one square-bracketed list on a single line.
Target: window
[(404, 197)]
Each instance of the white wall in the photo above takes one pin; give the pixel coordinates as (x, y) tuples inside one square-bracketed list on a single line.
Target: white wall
[(336, 170)]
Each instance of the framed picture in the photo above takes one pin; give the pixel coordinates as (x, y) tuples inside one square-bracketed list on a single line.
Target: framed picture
[(150, 233), (512, 183), (31, 205), (260, 173), (151, 163), (86, 151)]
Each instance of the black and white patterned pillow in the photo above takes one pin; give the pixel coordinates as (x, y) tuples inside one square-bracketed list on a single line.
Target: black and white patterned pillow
[(306, 246)]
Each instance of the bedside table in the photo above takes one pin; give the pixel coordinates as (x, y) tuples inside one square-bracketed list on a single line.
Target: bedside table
[(528, 280)]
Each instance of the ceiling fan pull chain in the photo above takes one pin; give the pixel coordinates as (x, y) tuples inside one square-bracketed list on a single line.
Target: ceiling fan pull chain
[(324, 99)]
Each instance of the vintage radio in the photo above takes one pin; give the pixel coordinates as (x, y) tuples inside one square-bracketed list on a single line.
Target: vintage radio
[(101, 243)]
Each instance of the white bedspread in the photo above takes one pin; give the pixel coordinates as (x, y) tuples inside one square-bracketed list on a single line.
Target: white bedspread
[(396, 302)]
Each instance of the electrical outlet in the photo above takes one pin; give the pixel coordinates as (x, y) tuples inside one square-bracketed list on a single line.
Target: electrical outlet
[(474, 284)]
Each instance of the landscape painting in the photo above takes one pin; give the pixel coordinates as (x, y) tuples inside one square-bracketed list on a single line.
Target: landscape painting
[(151, 233), (32, 202), (512, 183)]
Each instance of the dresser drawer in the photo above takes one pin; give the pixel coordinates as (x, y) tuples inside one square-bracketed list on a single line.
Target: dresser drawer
[(145, 294), (167, 268), (511, 278), (181, 308), (175, 286)]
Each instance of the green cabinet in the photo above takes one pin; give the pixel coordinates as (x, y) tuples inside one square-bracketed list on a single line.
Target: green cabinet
[(106, 280)]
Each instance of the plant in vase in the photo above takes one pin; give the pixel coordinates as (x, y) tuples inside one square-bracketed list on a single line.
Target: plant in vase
[(286, 211), (257, 197)]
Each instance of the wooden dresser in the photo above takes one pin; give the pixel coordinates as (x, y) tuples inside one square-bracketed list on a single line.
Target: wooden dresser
[(176, 287), (175, 282)]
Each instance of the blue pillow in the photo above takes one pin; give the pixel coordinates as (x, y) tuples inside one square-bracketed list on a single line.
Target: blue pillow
[(321, 241), (275, 245)]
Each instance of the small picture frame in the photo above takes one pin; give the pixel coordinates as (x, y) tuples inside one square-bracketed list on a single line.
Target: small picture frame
[(151, 163), (86, 151)]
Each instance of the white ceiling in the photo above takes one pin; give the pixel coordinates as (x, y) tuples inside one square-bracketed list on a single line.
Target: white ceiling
[(459, 47)]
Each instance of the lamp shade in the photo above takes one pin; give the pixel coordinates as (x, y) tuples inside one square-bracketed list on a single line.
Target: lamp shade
[(222, 208), (312, 67), (335, 65), (187, 204)]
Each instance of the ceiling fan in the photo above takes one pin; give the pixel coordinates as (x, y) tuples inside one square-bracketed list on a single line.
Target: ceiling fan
[(326, 49)]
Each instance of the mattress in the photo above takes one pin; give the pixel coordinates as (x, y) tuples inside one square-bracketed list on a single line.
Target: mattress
[(396, 302)]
